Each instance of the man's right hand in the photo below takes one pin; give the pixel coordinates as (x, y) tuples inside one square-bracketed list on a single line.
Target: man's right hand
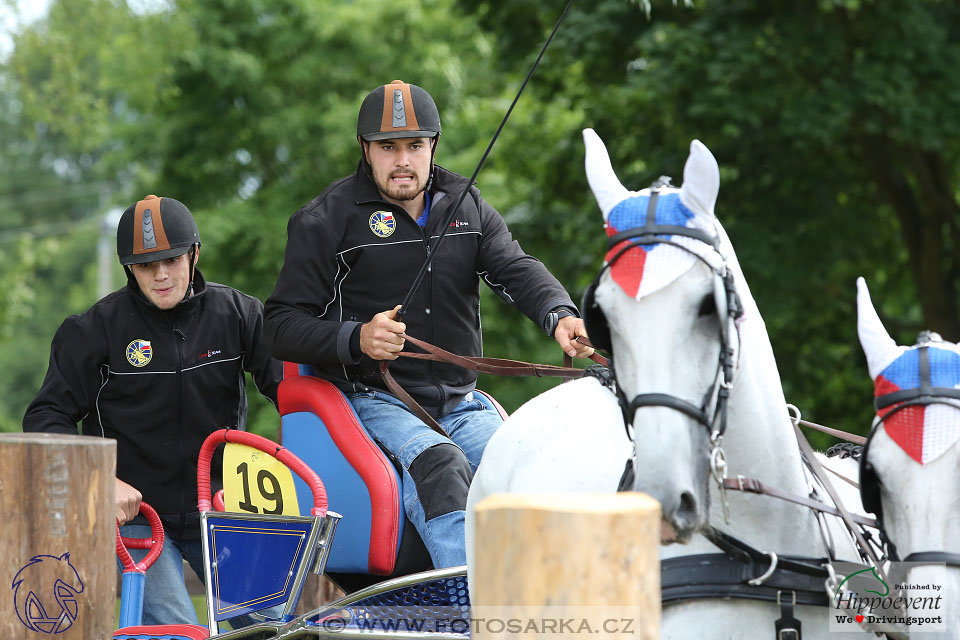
[(380, 338), (127, 501)]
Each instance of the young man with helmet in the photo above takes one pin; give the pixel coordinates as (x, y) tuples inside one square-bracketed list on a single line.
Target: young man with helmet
[(158, 365), (352, 254)]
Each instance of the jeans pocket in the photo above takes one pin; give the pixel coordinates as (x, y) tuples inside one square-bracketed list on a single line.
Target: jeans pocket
[(369, 395)]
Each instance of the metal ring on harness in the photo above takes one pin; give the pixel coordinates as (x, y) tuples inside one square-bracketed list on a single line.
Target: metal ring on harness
[(759, 580)]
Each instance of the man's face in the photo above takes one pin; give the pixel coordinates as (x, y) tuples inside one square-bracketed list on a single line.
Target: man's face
[(164, 282), (401, 166)]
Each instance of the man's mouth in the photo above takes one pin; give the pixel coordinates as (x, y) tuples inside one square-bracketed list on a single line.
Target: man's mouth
[(163, 292), (402, 177)]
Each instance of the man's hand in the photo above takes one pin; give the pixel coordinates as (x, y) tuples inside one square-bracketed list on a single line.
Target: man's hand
[(127, 501), (380, 338), (569, 328)]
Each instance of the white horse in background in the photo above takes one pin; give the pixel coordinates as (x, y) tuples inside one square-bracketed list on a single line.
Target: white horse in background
[(668, 323), (911, 465)]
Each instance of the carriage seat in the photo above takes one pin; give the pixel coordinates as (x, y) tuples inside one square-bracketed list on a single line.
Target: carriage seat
[(374, 537)]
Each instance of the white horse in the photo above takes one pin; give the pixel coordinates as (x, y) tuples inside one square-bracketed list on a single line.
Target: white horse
[(911, 465), (670, 320)]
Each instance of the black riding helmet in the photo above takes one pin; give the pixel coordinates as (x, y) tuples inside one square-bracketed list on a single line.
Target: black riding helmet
[(398, 110), (156, 229)]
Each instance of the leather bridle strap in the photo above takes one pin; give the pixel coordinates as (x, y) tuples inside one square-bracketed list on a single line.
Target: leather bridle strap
[(845, 515), (673, 402), (752, 485)]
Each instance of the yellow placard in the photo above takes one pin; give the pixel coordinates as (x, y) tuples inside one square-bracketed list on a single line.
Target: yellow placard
[(256, 482)]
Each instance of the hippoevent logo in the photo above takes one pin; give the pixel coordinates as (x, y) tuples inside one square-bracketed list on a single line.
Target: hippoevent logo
[(864, 600), (45, 592)]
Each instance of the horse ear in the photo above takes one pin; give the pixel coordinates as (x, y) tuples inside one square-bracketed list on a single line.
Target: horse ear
[(603, 181), (877, 344), (701, 179)]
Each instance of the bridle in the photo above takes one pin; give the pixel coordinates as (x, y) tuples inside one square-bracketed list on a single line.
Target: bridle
[(870, 484), (729, 310)]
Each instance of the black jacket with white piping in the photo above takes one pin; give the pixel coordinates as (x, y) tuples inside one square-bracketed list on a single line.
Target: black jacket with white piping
[(159, 382), (350, 255)]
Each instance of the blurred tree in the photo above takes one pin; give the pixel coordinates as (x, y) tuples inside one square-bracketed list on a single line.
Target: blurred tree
[(835, 127), (838, 116)]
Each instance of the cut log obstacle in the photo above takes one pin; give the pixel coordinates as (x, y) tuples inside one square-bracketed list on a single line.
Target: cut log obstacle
[(560, 565), (57, 537)]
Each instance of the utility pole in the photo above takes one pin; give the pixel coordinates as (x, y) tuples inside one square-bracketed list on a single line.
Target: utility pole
[(106, 251)]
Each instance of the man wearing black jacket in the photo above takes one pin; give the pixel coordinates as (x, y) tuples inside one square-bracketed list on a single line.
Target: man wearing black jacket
[(158, 365), (352, 254)]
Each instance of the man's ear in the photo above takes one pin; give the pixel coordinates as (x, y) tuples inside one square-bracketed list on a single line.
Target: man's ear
[(364, 146), (196, 255)]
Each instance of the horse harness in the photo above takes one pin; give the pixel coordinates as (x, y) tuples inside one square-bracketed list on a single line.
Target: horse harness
[(728, 306)]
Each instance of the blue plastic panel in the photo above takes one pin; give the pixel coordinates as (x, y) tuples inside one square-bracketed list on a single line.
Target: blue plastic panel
[(255, 562)]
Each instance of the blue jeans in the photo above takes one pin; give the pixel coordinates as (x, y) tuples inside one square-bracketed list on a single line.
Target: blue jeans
[(470, 426), (165, 596)]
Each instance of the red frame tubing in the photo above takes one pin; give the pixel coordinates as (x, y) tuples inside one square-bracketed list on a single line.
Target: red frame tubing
[(155, 543), (269, 447)]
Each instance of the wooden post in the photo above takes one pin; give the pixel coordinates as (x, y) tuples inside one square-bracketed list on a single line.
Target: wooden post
[(57, 536), (561, 565)]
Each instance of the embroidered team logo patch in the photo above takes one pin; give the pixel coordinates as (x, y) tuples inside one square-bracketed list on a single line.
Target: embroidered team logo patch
[(383, 223), (139, 353)]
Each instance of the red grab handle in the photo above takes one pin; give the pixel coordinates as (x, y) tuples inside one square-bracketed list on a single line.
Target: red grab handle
[(269, 447), (154, 543)]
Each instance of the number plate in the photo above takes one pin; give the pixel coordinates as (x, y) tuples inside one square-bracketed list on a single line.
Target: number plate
[(256, 482)]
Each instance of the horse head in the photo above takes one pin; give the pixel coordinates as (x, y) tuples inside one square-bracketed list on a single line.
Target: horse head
[(909, 467), (665, 305)]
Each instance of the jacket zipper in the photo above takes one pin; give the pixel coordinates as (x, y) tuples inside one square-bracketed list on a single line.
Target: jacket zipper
[(181, 471)]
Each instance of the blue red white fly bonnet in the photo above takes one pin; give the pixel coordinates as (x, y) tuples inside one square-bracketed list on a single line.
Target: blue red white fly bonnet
[(916, 389)]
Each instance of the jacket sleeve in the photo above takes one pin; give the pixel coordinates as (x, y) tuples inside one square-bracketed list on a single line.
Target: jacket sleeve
[(267, 371), (304, 290), (518, 278), (69, 390)]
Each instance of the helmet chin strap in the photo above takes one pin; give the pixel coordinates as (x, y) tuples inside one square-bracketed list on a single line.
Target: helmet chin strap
[(193, 271)]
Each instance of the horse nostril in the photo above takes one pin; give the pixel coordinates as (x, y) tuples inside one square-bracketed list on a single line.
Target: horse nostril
[(688, 506)]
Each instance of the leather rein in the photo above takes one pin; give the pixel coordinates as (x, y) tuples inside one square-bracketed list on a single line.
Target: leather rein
[(492, 366)]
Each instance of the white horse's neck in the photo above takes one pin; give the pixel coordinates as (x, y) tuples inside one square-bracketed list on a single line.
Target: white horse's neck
[(759, 443)]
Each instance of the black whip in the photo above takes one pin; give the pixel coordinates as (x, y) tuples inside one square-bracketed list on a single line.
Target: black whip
[(432, 250)]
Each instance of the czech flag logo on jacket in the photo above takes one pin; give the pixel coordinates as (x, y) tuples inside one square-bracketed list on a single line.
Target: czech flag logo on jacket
[(139, 352), (382, 223)]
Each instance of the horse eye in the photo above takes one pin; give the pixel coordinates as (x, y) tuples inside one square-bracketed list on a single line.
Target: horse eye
[(707, 307)]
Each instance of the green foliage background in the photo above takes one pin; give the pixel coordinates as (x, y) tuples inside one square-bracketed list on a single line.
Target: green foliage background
[(835, 124)]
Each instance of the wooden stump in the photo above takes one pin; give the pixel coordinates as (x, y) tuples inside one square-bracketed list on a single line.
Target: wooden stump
[(560, 565), (58, 536)]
